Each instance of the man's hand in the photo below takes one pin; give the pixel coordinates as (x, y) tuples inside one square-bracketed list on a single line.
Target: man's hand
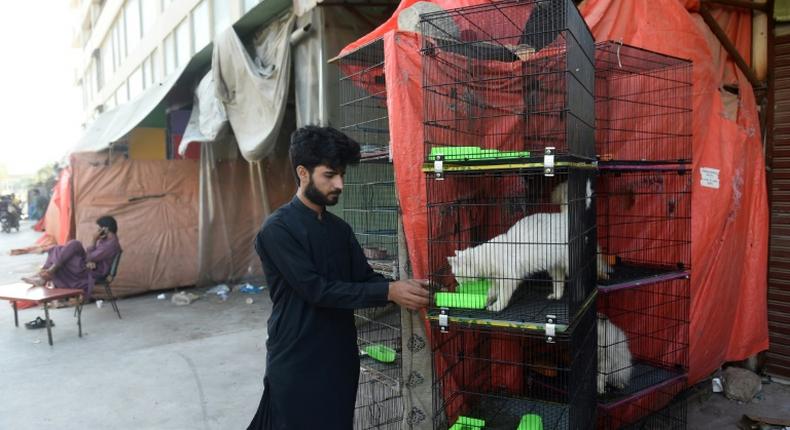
[(90, 265), (412, 294)]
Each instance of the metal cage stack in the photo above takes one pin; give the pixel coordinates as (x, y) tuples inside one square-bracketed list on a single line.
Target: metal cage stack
[(643, 136), (369, 204), (510, 162)]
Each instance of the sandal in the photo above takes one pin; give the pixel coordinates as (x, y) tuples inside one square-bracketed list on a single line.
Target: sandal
[(39, 323)]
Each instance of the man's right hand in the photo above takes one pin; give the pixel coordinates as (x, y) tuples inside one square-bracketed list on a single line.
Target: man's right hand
[(412, 294)]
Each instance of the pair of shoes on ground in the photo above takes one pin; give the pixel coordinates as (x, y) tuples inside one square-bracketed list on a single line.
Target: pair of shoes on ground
[(39, 323)]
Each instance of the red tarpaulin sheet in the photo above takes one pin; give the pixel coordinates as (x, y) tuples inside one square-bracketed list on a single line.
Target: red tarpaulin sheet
[(57, 220), (729, 223)]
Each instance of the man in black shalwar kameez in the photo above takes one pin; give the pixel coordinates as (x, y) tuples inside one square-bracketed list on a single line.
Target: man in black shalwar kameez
[(317, 275)]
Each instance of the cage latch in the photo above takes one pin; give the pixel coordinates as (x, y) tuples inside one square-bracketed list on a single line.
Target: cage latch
[(551, 328), (438, 167), (548, 161), (444, 320)]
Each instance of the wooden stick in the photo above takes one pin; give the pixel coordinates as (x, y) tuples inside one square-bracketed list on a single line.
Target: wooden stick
[(746, 4), (729, 47)]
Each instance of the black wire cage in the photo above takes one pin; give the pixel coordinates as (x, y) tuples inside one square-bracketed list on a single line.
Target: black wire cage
[(643, 106), (644, 223), (663, 408), (363, 99), (504, 378), (643, 338), (379, 406), (369, 204), (512, 248), (504, 81)]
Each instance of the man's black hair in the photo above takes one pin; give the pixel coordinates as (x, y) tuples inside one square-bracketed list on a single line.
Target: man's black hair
[(312, 145), (109, 222)]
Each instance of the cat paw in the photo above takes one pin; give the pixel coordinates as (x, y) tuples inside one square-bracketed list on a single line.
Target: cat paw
[(553, 296)]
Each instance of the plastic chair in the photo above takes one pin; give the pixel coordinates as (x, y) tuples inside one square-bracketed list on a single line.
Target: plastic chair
[(107, 280)]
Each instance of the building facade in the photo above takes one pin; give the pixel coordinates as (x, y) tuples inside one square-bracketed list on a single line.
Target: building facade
[(128, 46)]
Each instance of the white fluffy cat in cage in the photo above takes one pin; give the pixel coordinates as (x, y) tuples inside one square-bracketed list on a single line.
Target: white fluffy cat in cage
[(534, 244), (614, 358)]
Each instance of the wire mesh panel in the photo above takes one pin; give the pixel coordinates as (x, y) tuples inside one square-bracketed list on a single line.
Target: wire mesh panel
[(369, 204), (643, 105), (379, 340), (363, 99), (505, 80), (504, 377), (664, 407), (644, 223), (512, 247), (643, 338), (379, 406)]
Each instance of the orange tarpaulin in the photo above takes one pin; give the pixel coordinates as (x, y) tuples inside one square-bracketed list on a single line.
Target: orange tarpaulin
[(729, 223), (729, 218)]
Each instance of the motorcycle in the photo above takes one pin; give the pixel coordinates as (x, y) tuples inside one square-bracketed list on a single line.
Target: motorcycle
[(9, 217)]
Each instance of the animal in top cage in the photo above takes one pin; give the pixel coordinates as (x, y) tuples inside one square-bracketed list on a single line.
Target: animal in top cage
[(614, 356), (536, 243)]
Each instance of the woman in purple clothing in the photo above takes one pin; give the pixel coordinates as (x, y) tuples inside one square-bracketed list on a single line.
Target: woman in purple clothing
[(72, 266)]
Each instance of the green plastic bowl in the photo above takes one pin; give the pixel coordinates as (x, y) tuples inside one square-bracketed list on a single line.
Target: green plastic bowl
[(469, 421), (530, 422), (380, 353)]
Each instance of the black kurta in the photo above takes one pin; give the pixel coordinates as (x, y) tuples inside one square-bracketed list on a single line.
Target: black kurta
[(317, 274)]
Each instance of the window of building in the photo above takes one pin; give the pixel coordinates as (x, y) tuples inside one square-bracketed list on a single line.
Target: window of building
[(120, 28), (121, 95), (133, 24), (156, 66), (88, 82), (146, 71), (201, 25), (170, 54), (105, 52), (221, 11), (109, 103), (135, 83), (84, 89), (183, 43), (150, 11), (249, 4), (116, 47), (96, 74)]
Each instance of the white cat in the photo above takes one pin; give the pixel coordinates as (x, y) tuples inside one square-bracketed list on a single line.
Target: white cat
[(614, 357), (535, 243)]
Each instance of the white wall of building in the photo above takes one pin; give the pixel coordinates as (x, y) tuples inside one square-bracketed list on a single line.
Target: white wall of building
[(129, 45)]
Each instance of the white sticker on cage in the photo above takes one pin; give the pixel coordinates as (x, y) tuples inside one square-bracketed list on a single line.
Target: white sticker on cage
[(709, 177)]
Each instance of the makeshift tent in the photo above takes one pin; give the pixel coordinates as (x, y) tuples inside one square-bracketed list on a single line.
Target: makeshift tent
[(186, 222), (728, 315)]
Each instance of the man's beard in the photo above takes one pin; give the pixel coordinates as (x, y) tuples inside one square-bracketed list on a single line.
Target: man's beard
[(319, 198)]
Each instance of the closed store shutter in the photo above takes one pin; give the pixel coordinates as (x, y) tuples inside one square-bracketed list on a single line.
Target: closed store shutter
[(779, 263)]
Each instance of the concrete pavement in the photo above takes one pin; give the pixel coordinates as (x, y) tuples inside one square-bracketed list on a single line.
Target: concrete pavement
[(160, 367)]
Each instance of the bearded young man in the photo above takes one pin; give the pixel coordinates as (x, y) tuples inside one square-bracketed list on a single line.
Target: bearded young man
[(317, 275)]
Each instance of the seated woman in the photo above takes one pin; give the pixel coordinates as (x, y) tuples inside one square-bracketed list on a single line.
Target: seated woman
[(72, 266)]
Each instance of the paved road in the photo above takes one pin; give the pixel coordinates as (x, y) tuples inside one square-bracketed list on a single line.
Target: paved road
[(13, 267)]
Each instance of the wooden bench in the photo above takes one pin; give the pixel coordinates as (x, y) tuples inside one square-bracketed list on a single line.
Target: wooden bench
[(40, 295)]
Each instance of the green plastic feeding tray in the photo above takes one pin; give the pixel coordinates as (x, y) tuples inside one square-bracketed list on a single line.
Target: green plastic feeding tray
[(478, 286), (380, 353), (530, 422), (460, 300), (469, 295), (475, 153), (468, 423)]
